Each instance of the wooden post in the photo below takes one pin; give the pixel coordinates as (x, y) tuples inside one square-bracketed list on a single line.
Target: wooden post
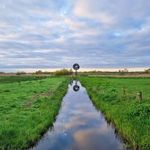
[(140, 96), (124, 91), (76, 73)]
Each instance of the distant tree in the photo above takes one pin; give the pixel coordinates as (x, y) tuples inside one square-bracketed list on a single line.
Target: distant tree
[(21, 73), (64, 72), (38, 72), (2, 72), (124, 70), (147, 70)]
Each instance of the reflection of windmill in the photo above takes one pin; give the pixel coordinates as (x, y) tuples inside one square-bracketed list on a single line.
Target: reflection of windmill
[(76, 87)]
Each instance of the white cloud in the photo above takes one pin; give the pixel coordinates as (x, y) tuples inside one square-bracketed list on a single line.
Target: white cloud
[(91, 32), (92, 9)]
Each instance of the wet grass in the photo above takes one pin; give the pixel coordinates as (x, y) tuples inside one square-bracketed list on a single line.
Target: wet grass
[(117, 98), (27, 109)]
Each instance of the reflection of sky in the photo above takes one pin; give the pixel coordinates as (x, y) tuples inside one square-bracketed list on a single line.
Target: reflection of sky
[(94, 33), (79, 126)]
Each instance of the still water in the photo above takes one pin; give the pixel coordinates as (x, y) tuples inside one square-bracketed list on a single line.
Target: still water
[(79, 126)]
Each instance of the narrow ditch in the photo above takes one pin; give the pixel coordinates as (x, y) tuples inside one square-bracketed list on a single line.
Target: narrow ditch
[(79, 126)]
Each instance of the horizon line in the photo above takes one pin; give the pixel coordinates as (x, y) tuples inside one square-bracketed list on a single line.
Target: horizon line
[(109, 69)]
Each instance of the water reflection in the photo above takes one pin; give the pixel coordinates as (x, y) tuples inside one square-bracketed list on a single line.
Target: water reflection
[(76, 87), (79, 126)]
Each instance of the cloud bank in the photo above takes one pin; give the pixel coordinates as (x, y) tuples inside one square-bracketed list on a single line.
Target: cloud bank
[(57, 33)]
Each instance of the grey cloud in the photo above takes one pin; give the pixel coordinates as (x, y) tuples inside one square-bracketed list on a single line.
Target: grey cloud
[(95, 33)]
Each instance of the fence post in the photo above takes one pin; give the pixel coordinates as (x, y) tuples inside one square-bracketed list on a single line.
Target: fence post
[(140, 96), (124, 91)]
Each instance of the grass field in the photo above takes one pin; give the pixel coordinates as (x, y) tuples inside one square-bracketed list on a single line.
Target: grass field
[(28, 106), (117, 99), (11, 79)]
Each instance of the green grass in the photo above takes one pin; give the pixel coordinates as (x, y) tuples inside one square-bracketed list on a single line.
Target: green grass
[(28, 108), (130, 116), (11, 79)]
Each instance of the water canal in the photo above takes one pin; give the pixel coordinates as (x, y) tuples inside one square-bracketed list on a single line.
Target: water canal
[(79, 126)]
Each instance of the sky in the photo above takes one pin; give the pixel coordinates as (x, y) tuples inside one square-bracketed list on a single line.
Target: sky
[(57, 33)]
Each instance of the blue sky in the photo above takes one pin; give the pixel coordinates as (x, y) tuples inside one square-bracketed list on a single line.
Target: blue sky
[(58, 33)]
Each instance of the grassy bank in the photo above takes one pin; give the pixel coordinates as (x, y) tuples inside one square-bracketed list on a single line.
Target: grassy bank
[(27, 109), (117, 98)]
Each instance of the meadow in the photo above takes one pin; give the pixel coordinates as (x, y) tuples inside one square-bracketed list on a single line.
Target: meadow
[(119, 100), (11, 79), (28, 106)]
